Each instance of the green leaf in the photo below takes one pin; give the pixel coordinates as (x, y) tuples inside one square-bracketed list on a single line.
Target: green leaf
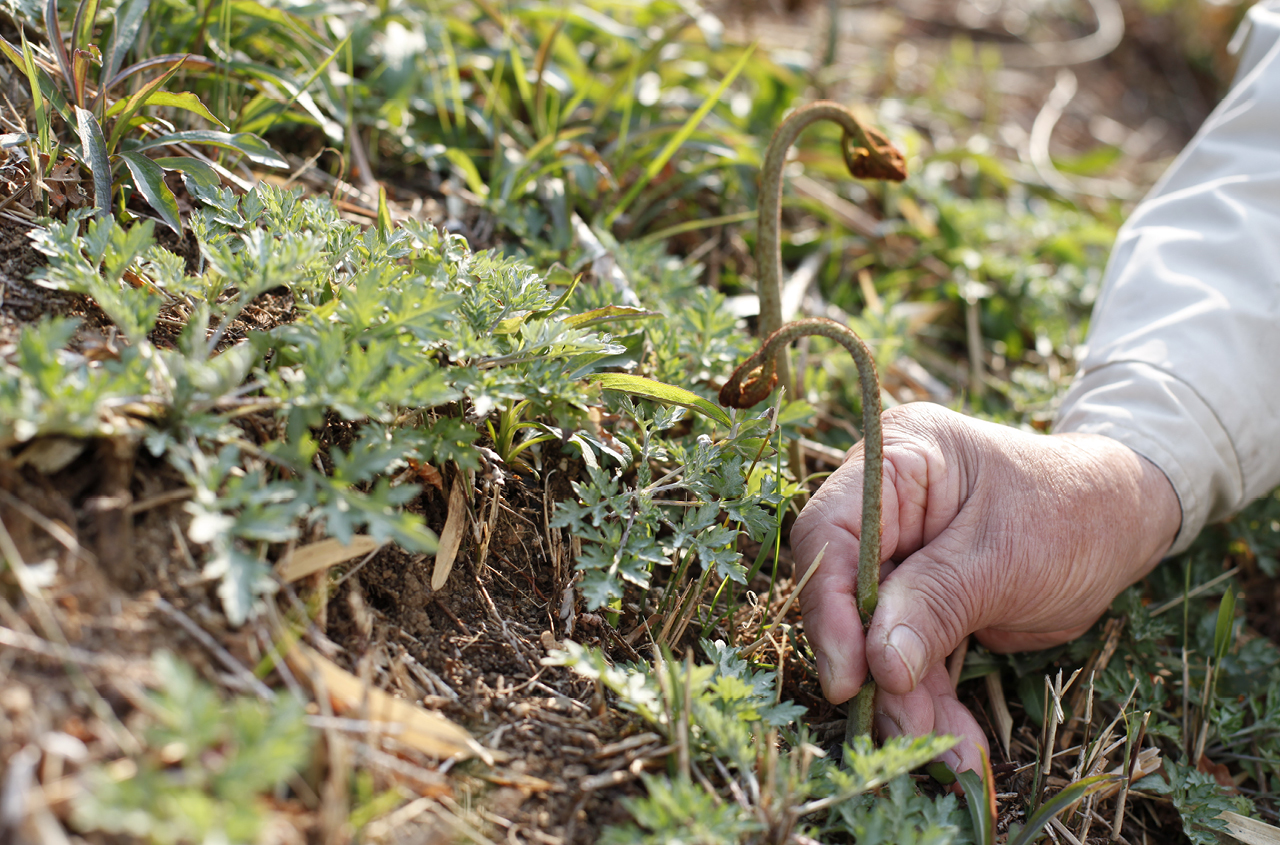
[(82, 29), (148, 177), (184, 100), (27, 63), (665, 393), (564, 297), (257, 150), (1069, 795), (53, 31), (979, 794), (166, 61), (136, 101), (333, 54), (201, 172), (123, 35), (467, 168), (1226, 620), (95, 155), (678, 139), (384, 213)]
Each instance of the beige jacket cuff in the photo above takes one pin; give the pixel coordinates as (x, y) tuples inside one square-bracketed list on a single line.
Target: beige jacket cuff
[(1164, 420), (1183, 356)]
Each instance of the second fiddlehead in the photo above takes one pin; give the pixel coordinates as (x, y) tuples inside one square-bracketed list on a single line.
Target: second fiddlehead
[(868, 155)]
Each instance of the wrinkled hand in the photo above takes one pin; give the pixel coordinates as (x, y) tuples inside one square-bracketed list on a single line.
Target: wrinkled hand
[(1020, 538)]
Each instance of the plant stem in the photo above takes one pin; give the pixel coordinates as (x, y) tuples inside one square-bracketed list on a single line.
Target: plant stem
[(753, 381), (868, 155)]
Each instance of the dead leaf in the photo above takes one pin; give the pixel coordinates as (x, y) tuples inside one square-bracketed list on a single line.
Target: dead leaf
[(51, 454), (1149, 761), (1220, 773), (316, 557), (428, 474), (1250, 831), (1000, 710), (64, 185), (451, 536), (428, 732)]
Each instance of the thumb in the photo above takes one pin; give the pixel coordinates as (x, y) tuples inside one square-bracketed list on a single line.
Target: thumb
[(927, 605)]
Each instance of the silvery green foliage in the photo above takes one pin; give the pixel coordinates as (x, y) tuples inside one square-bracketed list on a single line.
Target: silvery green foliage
[(619, 523), (731, 708), (219, 758), (392, 333)]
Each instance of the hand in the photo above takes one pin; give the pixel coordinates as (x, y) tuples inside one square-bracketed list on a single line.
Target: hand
[(1023, 539)]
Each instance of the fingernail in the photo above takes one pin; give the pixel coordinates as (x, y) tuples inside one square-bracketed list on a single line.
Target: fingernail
[(952, 761), (907, 644)]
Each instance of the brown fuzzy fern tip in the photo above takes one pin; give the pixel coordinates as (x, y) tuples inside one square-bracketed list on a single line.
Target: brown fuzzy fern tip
[(877, 159), (749, 385)]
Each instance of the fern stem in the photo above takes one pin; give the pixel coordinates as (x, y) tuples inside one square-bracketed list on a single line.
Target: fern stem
[(868, 155), (753, 381)]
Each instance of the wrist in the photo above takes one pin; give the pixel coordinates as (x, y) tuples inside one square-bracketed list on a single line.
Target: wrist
[(1136, 503)]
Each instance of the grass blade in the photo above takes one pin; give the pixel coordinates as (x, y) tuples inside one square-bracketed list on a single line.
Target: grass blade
[(559, 303), (634, 70), (609, 314), (384, 213), (1077, 791), (257, 150), (678, 139), (128, 23), (697, 224), (288, 104), (184, 100), (468, 170), (1226, 621), (95, 155), (148, 177), (27, 61), (667, 394), (53, 30), (980, 796)]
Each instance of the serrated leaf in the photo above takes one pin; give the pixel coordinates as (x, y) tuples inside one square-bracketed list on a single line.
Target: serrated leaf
[(95, 154), (667, 394), (148, 177), (256, 149)]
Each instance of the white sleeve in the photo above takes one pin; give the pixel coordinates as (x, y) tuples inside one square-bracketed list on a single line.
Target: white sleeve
[(1183, 355)]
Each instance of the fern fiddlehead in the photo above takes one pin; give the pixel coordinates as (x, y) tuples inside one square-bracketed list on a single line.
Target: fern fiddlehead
[(868, 155)]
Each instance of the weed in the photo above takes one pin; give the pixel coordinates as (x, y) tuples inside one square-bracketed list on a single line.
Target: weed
[(209, 770), (118, 160)]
